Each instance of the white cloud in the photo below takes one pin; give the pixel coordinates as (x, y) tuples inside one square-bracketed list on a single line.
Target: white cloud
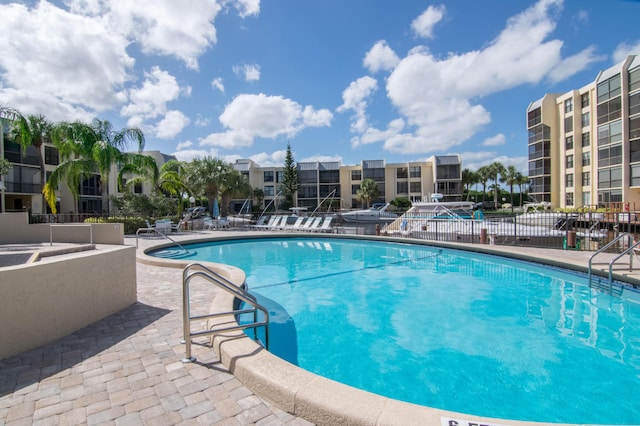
[(191, 154), (250, 116), (90, 64), (247, 7), (171, 125), (274, 159), (496, 140), (150, 100), (625, 49), (380, 57), (423, 24), (438, 98), (202, 121), (248, 72), (183, 145), (217, 84), (355, 98)]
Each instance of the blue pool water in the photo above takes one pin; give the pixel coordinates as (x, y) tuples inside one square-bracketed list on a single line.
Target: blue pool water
[(450, 329)]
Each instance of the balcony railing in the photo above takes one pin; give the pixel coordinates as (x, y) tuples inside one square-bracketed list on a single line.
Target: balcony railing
[(26, 188)]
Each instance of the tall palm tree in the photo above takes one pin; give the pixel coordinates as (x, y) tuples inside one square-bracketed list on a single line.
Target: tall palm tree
[(92, 148), (235, 186), (469, 178), (30, 130), (496, 169), (522, 180), (510, 176), (368, 191), (484, 174)]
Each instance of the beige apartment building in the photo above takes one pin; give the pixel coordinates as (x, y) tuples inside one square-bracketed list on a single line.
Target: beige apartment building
[(584, 145), (324, 182)]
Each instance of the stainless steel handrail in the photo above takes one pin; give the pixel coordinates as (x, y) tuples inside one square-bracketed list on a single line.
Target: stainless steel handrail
[(198, 270), (157, 231), (631, 246)]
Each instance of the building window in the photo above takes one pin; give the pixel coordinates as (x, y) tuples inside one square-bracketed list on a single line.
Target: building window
[(610, 178), (586, 139), (568, 105), (268, 177), (586, 178), (634, 128), (584, 100), (568, 124), (586, 198), (279, 176), (634, 79), (610, 110), (609, 88), (415, 187), (586, 159), (269, 191), (534, 117), (569, 199), (356, 174), (568, 142), (610, 133), (569, 162), (401, 173), (137, 188), (402, 187), (586, 119), (610, 155), (635, 175), (634, 104), (415, 172), (51, 156), (354, 189), (568, 180)]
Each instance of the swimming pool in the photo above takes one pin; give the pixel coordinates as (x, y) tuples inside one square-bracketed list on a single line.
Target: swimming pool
[(443, 328)]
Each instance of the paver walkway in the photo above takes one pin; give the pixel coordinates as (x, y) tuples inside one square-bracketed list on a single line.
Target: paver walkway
[(127, 370)]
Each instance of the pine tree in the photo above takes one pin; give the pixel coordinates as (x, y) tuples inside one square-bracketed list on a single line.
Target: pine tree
[(290, 178)]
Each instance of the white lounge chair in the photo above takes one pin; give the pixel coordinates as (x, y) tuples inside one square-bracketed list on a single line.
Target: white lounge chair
[(314, 225), (260, 222), (296, 225), (325, 226), (269, 224), (280, 224)]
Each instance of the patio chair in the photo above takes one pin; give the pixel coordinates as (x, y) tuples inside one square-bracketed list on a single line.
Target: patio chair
[(325, 226), (296, 225), (313, 226)]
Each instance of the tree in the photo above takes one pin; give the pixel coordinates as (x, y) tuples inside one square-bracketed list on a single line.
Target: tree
[(5, 166), (30, 130), (510, 176), (496, 169), (93, 148), (484, 174), (469, 178), (235, 186), (522, 180), (206, 177), (290, 182), (170, 179), (368, 191)]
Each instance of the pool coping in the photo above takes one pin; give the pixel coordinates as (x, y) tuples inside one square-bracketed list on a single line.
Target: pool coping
[(318, 399)]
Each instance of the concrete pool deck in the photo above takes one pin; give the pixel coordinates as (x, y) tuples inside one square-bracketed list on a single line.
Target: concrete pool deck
[(127, 369)]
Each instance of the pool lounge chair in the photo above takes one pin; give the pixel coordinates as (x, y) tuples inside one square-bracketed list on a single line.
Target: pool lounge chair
[(296, 225), (280, 225), (325, 226), (313, 225)]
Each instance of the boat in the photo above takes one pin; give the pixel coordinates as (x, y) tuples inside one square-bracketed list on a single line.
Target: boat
[(377, 213)]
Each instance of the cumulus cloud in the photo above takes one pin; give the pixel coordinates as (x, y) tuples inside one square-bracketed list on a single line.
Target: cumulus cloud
[(496, 140), (150, 99), (439, 98), (248, 72), (171, 125), (355, 98), (321, 159), (274, 159), (191, 154), (260, 116), (380, 57), (625, 49), (183, 145), (423, 25)]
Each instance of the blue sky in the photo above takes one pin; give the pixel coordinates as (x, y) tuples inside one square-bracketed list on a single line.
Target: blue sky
[(346, 80)]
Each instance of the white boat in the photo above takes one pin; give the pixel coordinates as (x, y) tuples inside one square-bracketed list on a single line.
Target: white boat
[(373, 214)]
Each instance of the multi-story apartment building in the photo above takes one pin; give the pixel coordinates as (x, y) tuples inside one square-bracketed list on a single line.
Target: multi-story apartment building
[(584, 145), (331, 181)]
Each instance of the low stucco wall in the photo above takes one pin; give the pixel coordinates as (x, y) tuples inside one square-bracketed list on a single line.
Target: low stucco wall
[(17, 230), (41, 302)]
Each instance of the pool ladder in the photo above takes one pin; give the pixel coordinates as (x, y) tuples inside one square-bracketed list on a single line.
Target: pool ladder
[(630, 249), (198, 270)]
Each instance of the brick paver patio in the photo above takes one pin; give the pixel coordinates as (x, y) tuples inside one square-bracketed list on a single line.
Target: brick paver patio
[(126, 370)]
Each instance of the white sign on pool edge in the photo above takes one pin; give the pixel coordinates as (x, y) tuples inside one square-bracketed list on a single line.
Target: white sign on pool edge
[(449, 421)]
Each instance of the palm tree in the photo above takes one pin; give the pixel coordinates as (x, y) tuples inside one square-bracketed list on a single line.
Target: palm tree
[(368, 191), (235, 186), (30, 130), (469, 178), (510, 176), (206, 177), (170, 179), (92, 148), (496, 169), (484, 174), (522, 180)]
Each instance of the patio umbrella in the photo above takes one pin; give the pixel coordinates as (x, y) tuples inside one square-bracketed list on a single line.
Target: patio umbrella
[(216, 209)]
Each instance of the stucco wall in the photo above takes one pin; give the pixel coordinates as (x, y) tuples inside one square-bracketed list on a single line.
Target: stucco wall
[(41, 302), (17, 230)]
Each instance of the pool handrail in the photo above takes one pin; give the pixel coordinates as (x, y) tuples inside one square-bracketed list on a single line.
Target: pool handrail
[(631, 247), (199, 270)]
